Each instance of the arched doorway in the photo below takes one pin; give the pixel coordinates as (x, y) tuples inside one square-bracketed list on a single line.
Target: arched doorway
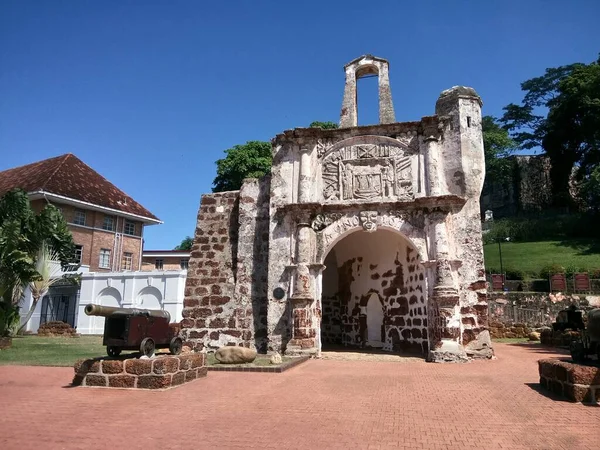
[(373, 294)]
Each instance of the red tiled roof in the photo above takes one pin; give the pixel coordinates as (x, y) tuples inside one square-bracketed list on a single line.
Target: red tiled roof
[(68, 176)]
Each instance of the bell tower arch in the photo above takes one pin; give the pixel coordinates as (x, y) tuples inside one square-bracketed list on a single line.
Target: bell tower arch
[(360, 67)]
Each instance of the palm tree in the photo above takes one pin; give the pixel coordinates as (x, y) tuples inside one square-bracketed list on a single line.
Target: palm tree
[(47, 266), (22, 236)]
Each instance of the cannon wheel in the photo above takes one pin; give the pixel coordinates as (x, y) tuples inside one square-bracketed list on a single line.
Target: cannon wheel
[(147, 347), (113, 351), (176, 345), (577, 351)]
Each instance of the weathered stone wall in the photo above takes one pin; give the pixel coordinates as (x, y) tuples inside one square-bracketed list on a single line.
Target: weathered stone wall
[(211, 315), (529, 188), (575, 382)]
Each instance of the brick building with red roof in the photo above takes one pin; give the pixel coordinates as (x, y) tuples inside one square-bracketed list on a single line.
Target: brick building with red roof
[(106, 223)]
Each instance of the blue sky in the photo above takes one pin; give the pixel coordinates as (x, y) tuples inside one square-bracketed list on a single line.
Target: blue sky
[(150, 93)]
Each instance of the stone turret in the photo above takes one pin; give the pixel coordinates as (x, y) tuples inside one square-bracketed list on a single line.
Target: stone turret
[(360, 67)]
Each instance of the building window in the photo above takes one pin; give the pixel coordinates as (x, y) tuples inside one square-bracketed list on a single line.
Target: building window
[(158, 264), (109, 223), (127, 261), (104, 258), (79, 218), (78, 253), (184, 264), (129, 228)]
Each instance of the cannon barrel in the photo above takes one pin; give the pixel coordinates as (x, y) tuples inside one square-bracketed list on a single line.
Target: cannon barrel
[(105, 311)]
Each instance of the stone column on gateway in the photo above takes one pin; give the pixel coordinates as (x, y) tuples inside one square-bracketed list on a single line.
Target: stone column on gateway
[(303, 328), (445, 295)]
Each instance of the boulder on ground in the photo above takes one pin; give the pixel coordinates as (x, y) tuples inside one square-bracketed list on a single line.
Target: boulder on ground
[(235, 355), (534, 336), (276, 358)]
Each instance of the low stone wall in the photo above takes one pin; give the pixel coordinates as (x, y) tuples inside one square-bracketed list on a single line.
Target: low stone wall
[(499, 330), (57, 328), (162, 372), (574, 382)]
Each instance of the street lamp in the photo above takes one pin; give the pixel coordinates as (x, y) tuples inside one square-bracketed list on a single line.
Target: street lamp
[(507, 239)]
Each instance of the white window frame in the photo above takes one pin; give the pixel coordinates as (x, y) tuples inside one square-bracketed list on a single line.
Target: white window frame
[(132, 224), (76, 218), (112, 223), (127, 261), (184, 264), (159, 262), (78, 250), (104, 258)]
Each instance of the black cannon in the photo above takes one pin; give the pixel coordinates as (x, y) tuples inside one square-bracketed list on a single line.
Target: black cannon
[(569, 319), (589, 342), (136, 329)]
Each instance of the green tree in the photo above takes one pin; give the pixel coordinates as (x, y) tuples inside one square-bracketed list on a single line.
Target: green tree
[(324, 125), (22, 234), (251, 160), (560, 113), (497, 145), (185, 244)]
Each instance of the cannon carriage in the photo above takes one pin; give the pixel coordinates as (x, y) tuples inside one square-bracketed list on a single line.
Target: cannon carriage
[(136, 329), (589, 342)]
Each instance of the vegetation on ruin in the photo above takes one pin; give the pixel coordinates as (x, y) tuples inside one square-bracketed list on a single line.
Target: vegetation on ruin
[(497, 146), (51, 351), (560, 113)]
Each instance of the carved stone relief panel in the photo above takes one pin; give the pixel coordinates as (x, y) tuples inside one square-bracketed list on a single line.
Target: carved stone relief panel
[(367, 171)]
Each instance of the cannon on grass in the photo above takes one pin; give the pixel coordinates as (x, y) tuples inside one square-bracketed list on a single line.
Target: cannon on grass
[(589, 342), (136, 329)]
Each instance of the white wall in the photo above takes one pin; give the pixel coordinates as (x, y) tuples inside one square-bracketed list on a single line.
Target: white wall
[(148, 290)]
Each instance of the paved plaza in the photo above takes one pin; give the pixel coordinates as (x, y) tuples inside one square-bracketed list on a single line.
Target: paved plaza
[(320, 404)]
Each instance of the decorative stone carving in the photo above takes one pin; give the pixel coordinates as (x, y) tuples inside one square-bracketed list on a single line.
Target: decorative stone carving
[(368, 220), (322, 221), (323, 145), (367, 171)]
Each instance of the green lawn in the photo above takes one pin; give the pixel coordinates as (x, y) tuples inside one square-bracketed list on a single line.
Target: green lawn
[(51, 351), (533, 256)]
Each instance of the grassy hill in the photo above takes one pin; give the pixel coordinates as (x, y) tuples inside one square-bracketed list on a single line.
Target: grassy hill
[(531, 257)]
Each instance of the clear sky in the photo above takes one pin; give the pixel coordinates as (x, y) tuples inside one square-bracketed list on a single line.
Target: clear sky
[(150, 93)]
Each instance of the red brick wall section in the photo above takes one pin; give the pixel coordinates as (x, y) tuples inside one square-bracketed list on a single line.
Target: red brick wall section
[(162, 372), (212, 317)]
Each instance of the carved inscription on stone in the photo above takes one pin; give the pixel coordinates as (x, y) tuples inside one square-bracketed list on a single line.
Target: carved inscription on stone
[(367, 172)]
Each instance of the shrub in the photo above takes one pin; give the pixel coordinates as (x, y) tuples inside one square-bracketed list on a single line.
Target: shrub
[(551, 269), (515, 274)]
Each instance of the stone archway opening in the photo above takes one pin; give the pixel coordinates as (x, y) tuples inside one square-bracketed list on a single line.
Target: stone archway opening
[(373, 295)]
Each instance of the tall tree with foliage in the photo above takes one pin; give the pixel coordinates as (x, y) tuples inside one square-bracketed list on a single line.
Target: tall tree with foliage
[(250, 160), (22, 234), (497, 146), (560, 113), (185, 244)]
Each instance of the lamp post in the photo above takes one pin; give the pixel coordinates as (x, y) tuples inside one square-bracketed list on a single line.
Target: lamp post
[(507, 239)]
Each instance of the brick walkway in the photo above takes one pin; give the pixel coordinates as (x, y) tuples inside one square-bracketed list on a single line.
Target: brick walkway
[(320, 404)]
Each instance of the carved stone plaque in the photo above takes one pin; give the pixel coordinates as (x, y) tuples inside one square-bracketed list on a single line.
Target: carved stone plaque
[(367, 171)]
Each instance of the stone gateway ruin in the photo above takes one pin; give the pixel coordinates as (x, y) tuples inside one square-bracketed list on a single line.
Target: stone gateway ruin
[(362, 236)]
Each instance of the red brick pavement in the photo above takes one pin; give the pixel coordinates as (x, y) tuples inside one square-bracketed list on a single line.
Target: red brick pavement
[(320, 404)]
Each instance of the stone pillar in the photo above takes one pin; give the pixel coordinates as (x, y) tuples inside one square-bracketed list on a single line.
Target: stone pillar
[(386, 107), (348, 115), (305, 176), (433, 161), (304, 330), (445, 298)]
